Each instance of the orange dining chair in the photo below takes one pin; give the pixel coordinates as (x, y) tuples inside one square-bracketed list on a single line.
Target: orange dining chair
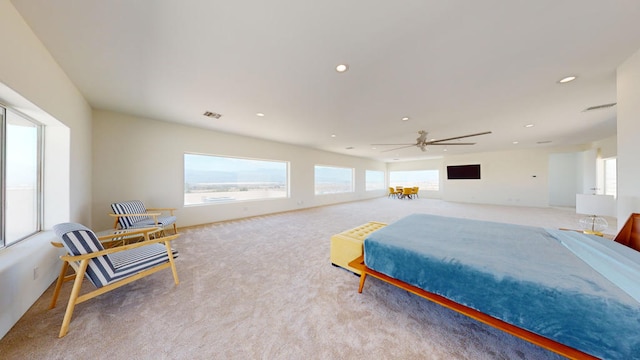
[(407, 192)]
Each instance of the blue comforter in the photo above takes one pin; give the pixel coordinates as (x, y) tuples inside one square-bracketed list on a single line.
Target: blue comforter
[(545, 281)]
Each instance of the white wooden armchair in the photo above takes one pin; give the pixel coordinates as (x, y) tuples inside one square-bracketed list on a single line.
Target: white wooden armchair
[(133, 214), (107, 269)]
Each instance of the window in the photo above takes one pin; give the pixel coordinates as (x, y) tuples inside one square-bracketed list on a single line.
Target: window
[(215, 179), (21, 173), (374, 180), (610, 177), (424, 179), (333, 180)]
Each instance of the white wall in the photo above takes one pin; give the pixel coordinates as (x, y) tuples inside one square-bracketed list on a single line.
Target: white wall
[(628, 89), (138, 158), (588, 170), (32, 82), (518, 177), (563, 179), (606, 147)]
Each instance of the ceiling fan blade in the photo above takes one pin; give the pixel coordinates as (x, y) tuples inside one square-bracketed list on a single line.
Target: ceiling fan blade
[(391, 144), (458, 137), (404, 147), (453, 143)]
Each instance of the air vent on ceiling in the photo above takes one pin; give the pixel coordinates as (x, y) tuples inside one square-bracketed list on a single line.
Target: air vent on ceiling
[(598, 107), (543, 142), (212, 114)]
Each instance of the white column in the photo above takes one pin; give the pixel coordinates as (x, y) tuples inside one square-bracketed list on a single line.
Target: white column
[(628, 108)]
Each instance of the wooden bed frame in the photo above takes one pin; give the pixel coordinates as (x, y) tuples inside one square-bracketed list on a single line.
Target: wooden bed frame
[(527, 335), (629, 236)]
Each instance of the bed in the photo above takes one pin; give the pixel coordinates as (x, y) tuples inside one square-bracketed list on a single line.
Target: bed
[(528, 281)]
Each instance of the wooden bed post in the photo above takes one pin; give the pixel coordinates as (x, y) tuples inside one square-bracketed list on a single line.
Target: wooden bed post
[(358, 263), (363, 276)]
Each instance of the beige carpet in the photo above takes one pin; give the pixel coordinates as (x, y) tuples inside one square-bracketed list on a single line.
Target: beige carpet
[(263, 288)]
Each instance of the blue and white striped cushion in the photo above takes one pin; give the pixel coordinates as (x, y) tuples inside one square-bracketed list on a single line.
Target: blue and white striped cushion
[(103, 270), (131, 262), (147, 222), (129, 207), (79, 240)]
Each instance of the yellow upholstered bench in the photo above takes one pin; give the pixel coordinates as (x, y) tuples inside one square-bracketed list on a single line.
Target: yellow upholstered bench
[(347, 245)]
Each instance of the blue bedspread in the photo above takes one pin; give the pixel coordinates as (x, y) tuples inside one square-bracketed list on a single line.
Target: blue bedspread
[(526, 276)]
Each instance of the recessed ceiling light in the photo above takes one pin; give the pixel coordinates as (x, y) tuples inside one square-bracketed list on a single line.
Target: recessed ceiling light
[(515, 143), (567, 79), (405, 118), (342, 68), (529, 126), (445, 149), (259, 114), (333, 135), (373, 148)]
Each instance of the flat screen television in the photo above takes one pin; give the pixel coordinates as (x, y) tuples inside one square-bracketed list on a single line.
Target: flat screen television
[(457, 172)]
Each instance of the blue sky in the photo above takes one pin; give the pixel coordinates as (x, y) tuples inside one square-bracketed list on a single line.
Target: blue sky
[(207, 162)]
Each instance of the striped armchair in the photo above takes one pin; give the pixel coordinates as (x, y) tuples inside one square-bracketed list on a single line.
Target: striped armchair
[(133, 214), (107, 269)]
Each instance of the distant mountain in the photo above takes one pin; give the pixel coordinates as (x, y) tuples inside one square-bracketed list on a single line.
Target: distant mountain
[(215, 176)]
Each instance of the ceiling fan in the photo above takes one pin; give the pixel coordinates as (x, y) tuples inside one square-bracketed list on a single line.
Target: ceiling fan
[(421, 141)]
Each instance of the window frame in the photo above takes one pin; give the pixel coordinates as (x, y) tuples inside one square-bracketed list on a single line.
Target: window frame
[(315, 182), (287, 185), (413, 183), (39, 181), (366, 178)]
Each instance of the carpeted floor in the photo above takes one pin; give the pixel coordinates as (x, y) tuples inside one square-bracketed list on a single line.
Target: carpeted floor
[(263, 288)]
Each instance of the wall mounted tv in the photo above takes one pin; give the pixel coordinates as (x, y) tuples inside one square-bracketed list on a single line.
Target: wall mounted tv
[(457, 172)]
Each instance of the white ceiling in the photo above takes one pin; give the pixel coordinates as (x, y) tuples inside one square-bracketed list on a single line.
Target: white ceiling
[(454, 67)]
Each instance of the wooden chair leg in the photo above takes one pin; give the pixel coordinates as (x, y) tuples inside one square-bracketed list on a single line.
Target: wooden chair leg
[(77, 284), (175, 229), (56, 292), (363, 276), (167, 244)]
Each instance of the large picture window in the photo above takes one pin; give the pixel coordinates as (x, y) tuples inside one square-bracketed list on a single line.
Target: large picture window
[(21, 172), (333, 180), (424, 179), (214, 179), (374, 180), (610, 177)]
